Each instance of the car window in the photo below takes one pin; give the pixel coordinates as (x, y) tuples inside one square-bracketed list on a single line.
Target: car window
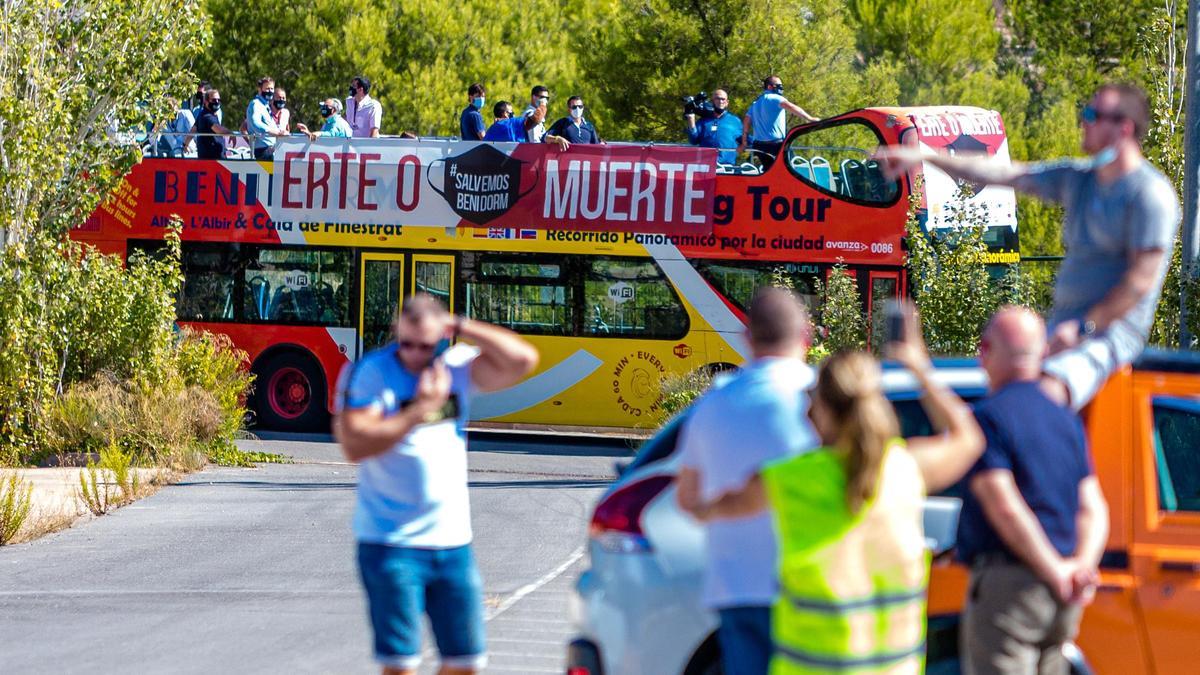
[(661, 445), (1177, 452)]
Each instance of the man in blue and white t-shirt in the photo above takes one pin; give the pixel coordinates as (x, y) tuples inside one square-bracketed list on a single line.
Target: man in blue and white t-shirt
[(765, 123), (403, 418)]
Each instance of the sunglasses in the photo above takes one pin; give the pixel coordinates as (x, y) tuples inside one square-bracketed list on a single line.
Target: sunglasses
[(1089, 115), (576, 107), (417, 346), (543, 99)]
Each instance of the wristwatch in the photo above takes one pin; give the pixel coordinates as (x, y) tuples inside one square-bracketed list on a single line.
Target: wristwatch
[(1087, 327)]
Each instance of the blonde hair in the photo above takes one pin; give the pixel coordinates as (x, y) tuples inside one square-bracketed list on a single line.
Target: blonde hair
[(850, 386)]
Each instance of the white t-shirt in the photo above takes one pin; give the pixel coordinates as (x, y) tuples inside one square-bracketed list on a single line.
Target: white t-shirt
[(755, 416), (415, 494)]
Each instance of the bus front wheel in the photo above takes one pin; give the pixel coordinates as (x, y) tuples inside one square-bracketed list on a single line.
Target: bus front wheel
[(290, 394)]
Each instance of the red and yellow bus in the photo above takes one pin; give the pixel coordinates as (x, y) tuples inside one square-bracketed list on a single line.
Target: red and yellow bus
[(613, 310)]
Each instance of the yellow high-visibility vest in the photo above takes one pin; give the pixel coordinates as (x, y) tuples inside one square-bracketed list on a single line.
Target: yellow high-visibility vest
[(852, 586)]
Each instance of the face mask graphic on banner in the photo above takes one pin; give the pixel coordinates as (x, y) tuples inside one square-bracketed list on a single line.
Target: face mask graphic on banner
[(480, 184)]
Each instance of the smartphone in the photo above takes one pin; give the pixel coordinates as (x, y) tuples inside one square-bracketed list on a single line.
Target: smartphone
[(441, 347), (894, 313)]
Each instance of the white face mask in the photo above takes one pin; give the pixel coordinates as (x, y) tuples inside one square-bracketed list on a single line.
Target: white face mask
[(576, 113)]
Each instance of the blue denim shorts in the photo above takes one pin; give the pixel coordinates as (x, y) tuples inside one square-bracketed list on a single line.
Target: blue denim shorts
[(404, 583), (745, 639)]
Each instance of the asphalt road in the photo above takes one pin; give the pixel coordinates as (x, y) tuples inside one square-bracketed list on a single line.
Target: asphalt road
[(252, 570)]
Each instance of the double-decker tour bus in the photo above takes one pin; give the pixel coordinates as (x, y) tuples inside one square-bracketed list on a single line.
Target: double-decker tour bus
[(623, 263)]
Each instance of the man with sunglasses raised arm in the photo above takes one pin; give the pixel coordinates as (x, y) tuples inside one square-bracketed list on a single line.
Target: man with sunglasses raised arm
[(403, 417), (1120, 222)]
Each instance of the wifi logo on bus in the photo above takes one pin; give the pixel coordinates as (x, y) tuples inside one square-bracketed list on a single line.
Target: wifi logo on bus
[(682, 350)]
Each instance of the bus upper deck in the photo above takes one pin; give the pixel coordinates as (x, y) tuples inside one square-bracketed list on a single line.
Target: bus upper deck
[(625, 264)]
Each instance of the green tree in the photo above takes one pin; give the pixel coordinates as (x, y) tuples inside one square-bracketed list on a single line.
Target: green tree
[(949, 278), (649, 53), (72, 75), (842, 324)]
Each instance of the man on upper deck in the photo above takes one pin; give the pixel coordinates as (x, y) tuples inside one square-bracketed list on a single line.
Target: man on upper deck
[(722, 131), (1121, 218)]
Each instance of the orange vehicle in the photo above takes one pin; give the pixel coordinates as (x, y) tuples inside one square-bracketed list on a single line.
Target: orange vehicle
[(1144, 430)]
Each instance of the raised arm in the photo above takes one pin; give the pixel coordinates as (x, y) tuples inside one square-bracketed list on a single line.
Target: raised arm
[(504, 357), (798, 111), (945, 458), (896, 160), (366, 432)]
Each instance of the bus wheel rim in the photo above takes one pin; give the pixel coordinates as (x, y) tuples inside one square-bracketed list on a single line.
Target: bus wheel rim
[(289, 392)]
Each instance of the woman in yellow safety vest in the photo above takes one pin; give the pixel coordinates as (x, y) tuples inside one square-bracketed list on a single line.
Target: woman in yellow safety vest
[(853, 566)]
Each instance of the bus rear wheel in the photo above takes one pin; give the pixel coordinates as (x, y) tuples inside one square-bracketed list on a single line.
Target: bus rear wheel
[(290, 394)]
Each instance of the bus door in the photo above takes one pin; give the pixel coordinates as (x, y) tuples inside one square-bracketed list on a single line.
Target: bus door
[(882, 285), (433, 274), (380, 288)]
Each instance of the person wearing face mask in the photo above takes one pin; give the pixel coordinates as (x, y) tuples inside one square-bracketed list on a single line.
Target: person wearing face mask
[(765, 123), (1119, 226), (723, 130), (470, 122), (279, 110), (260, 123), (573, 129), (364, 113), (335, 125), (209, 145), (198, 102), (539, 97)]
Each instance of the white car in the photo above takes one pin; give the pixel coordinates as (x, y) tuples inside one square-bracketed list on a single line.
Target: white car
[(637, 609)]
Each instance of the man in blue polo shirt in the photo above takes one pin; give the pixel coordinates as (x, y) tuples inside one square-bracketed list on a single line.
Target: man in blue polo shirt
[(723, 130), (573, 129), (403, 418), (510, 129), (470, 123), (1034, 522), (765, 123)]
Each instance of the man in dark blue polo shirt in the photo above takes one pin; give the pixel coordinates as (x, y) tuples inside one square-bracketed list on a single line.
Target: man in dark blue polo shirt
[(723, 130), (1034, 522), (470, 123), (575, 129)]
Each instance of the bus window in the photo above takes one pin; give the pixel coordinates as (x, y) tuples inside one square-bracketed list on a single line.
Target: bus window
[(208, 277), (837, 159), (530, 295), (433, 276), (302, 285), (738, 281), (630, 298)]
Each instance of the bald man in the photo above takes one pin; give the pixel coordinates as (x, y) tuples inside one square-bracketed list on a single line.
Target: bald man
[(1034, 522)]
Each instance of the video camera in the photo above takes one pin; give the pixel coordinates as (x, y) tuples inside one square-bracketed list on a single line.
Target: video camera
[(698, 105)]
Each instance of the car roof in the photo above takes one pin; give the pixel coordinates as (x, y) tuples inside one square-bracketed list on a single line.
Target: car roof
[(1168, 361)]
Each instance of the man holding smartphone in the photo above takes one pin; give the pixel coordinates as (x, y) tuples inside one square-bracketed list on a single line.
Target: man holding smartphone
[(403, 416)]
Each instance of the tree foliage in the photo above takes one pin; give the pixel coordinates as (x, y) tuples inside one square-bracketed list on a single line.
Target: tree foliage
[(71, 75)]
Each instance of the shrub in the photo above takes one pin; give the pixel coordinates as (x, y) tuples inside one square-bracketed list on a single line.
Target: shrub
[(841, 324), (949, 277), (113, 482), (15, 502), (677, 392), (193, 410)]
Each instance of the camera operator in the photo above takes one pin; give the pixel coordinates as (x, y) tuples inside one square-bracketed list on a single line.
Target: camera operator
[(717, 129)]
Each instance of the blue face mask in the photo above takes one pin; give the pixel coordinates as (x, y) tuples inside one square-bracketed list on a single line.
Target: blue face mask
[(1104, 157), (478, 102)]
